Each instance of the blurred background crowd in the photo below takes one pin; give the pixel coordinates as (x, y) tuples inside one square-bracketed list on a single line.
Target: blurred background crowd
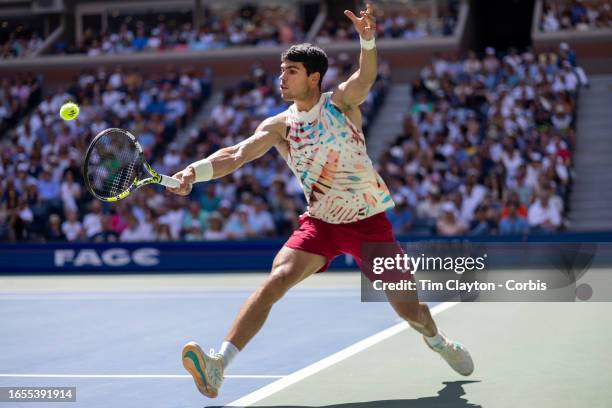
[(218, 27), (581, 15), (43, 195), (486, 146)]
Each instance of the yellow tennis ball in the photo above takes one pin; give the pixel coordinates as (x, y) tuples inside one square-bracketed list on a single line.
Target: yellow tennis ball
[(69, 111)]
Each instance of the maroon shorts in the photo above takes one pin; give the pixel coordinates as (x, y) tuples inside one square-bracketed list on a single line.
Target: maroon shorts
[(365, 240)]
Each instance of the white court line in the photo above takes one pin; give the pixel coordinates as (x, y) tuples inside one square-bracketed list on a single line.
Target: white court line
[(335, 358), (125, 376)]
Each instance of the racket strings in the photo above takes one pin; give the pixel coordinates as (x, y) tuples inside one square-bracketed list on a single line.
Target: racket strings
[(113, 164)]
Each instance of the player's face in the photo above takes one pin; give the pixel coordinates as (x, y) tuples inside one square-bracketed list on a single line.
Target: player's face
[(294, 81)]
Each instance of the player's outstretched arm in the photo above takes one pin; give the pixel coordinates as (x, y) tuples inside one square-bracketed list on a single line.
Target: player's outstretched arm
[(227, 160), (354, 90)]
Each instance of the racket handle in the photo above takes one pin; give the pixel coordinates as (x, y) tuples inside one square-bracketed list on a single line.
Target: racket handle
[(169, 182)]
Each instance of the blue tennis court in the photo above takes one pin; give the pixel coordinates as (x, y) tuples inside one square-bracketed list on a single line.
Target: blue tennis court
[(117, 339), (122, 348)]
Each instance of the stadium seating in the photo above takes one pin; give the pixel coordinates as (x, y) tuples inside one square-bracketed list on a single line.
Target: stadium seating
[(487, 145), (41, 161), (261, 26), (19, 37), (44, 185), (398, 21), (576, 15)]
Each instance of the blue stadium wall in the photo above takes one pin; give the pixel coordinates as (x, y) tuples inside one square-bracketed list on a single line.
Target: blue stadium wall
[(151, 257)]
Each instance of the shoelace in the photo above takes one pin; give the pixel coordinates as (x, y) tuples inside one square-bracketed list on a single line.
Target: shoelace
[(445, 344), (214, 371), (449, 348)]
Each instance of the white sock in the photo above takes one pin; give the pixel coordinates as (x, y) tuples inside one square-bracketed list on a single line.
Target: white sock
[(228, 351), (435, 340)]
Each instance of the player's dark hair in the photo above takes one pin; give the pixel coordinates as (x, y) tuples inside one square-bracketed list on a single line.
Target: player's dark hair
[(313, 58)]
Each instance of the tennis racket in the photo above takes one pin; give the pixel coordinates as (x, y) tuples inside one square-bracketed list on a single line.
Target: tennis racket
[(115, 166)]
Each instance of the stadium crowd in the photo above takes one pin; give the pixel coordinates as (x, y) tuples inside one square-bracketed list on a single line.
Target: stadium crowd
[(249, 25), (17, 45), (581, 15), (44, 198), (487, 145), (398, 23), (20, 37), (42, 189), (18, 94), (260, 26), (486, 149)]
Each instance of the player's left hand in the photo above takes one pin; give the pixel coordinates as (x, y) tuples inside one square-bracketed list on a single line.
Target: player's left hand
[(366, 24)]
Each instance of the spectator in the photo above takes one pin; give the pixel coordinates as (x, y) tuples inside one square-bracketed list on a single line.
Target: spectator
[(514, 200), (162, 232), (482, 224), (107, 233), (238, 226), (543, 216), (49, 189), (70, 192), (72, 227), (223, 113), (54, 231), (261, 220), (449, 224), (194, 222), (513, 223), (215, 230), (430, 207), (135, 231), (210, 200), (173, 218), (92, 221), (22, 219), (119, 219), (472, 196)]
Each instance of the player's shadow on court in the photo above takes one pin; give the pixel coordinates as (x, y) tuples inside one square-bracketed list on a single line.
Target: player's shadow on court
[(451, 396)]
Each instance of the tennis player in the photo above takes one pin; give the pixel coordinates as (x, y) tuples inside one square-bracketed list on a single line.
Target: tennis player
[(321, 139)]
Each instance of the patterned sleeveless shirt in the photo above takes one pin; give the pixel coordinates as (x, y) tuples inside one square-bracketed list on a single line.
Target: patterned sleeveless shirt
[(327, 153)]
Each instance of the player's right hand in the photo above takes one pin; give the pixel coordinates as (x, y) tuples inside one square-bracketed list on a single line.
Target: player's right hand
[(186, 177)]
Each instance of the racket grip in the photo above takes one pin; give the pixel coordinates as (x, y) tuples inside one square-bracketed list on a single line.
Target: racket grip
[(169, 182)]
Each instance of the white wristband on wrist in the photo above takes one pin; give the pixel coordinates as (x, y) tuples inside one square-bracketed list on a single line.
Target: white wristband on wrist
[(367, 44), (203, 170)]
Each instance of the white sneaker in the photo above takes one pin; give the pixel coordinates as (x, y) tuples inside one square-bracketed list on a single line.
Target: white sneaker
[(455, 354), (206, 369)]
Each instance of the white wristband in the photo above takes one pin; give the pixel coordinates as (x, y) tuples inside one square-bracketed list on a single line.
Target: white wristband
[(367, 44), (203, 170)]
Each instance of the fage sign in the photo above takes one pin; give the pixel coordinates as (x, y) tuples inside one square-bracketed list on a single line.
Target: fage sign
[(113, 257)]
